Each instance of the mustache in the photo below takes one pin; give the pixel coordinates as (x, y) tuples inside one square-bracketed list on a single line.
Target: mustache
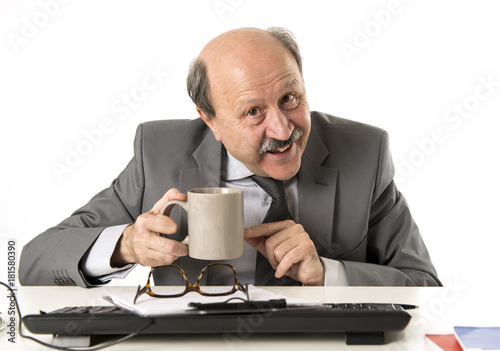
[(273, 144)]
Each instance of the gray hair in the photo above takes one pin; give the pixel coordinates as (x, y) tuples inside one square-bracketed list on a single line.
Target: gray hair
[(198, 86)]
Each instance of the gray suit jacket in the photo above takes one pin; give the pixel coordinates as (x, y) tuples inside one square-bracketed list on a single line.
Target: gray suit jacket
[(348, 203)]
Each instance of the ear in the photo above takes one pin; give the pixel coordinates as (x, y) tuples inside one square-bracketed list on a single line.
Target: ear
[(210, 123)]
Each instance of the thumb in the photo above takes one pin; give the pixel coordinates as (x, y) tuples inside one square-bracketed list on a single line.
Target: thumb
[(171, 194)]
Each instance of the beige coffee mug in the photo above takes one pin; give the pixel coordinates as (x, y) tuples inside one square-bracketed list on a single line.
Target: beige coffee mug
[(215, 222)]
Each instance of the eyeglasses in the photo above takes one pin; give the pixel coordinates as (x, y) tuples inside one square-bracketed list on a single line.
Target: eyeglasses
[(219, 269)]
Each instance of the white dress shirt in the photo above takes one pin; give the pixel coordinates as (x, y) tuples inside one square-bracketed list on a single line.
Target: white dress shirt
[(96, 263)]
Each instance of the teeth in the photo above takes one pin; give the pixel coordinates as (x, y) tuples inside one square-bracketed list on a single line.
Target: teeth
[(283, 148)]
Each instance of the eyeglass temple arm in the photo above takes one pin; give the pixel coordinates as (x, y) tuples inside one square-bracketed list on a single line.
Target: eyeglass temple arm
[(140, 292)]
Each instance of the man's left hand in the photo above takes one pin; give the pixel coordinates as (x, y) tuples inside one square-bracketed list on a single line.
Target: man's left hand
[(289, 250)]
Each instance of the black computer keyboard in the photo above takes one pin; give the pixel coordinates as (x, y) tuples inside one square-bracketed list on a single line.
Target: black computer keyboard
[(363, 323)]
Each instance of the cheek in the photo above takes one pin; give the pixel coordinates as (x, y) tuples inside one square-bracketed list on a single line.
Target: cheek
[(248, 138), (304, 122), (248, 149), (241, 143), (249, 144)]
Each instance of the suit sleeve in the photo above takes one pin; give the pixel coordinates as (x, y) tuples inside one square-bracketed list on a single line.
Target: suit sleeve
[(53, 257), (396, 253)]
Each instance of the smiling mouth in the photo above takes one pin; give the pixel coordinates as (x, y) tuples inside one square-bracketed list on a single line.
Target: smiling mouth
[(280, 150), (274, 146)]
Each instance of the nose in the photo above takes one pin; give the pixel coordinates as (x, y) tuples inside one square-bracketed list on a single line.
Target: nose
[(278, 125)]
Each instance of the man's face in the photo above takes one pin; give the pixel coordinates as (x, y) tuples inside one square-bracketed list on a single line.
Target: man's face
[(260, 100)]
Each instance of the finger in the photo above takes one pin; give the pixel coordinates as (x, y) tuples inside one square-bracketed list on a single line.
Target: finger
[(153, 223), (146, 246), (166, 246), (278, 244), (282, 247), (258, 243), (267, 229), (300, 255), (171, 194), (150, 249), (265, 237), (292, 257), (156, 258)]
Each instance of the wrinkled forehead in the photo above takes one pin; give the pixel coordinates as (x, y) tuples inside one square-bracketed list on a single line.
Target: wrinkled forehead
[(248, 63)]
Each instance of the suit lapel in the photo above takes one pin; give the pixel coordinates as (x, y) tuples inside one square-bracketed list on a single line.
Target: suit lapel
[(316, 190), (207, 174)]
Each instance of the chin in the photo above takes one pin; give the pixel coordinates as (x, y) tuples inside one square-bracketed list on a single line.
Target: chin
[(284, 172)]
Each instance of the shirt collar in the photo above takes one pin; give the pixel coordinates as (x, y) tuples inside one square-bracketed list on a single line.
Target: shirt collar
[(232, 169)]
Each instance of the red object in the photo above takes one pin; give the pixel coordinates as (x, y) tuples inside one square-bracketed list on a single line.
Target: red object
[(446, 342)]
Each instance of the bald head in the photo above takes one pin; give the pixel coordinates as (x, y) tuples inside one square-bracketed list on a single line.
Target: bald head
[(240, 43), (233, 41), (237, 50)]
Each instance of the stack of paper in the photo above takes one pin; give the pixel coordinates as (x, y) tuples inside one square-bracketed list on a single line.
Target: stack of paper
[(478, 338), (148, 306)]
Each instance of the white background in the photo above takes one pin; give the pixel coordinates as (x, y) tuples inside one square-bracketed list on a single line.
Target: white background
[(65, 69)]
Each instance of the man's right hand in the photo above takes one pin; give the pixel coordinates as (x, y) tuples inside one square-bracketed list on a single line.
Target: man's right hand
[(141, 242)]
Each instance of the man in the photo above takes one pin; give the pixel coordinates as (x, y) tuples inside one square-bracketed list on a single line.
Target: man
[(349, 223)]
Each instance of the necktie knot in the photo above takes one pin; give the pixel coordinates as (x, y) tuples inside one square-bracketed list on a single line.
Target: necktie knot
[(273, 187), (278, 211)]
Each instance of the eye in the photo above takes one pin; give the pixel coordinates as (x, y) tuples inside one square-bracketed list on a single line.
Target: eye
[(289, 101), (288, 98), (253, 112)]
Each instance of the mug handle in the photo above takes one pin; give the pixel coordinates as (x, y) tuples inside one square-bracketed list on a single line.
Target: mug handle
[(185, 206)]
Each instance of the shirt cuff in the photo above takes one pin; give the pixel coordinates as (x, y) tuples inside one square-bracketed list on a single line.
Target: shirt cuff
[(335, 273), (96, 262)]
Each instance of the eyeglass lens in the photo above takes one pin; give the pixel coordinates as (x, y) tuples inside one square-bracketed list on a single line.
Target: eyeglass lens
[(207, 276)]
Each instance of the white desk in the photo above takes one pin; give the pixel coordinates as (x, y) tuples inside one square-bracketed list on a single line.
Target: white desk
[(440, 310)]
